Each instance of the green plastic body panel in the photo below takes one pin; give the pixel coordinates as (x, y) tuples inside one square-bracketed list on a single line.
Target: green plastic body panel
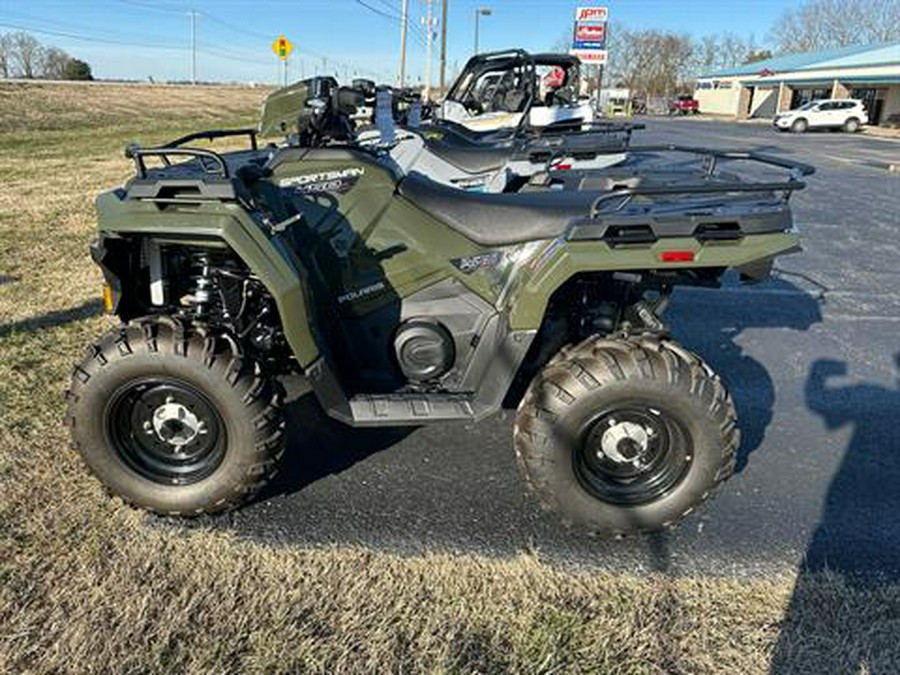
[(376, 230), (364, 236), (560, 260), (282, 110), (269, 258)]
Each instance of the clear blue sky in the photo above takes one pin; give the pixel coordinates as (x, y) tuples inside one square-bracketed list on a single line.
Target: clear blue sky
[(234, 36)]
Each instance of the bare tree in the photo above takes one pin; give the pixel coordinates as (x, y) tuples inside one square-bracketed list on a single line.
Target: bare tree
[(649, 62), (27, 55), (824, 24), (21, 55), (54, 63), (6, 59)]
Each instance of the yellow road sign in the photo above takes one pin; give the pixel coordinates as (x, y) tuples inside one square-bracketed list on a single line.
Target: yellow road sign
[(282, 47)]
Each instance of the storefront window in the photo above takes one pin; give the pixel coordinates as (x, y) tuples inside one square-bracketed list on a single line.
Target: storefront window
[(801, 96)]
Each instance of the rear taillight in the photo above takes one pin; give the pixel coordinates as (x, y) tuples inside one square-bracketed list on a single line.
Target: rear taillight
[(676, 256)]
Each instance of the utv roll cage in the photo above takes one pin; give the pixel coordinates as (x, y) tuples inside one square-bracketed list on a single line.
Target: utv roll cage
[(524, 66)]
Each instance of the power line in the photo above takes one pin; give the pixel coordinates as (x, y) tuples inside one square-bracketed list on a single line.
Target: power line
[(86, 38), (83, 36), (416, 30)]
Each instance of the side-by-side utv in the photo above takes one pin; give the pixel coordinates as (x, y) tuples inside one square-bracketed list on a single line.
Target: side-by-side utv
[(400, 301), (316, 113), (510, 89)]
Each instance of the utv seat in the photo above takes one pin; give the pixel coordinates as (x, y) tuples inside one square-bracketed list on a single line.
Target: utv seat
[(457, 135), (498, 219), (472, 159)]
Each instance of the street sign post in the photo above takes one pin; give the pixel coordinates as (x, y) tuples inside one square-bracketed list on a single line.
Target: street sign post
[(283, 48)]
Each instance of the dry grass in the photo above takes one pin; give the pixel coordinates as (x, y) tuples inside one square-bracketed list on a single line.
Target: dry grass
[(89, 585)]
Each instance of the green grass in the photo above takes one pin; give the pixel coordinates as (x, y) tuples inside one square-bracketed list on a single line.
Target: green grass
[(90, 585)]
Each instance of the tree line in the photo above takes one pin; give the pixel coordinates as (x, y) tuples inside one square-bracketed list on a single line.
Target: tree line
[(23, 55)]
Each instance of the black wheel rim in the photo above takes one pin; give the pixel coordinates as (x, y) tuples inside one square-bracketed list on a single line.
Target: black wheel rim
[(166, 431), (632, 454)]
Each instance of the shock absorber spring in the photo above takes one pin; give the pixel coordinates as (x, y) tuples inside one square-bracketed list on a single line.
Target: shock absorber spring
[(202, 284)]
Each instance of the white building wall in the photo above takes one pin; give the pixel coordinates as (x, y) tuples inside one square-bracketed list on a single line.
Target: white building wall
[(719, 96)]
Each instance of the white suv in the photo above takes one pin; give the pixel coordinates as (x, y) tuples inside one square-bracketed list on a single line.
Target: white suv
[(847, 114)]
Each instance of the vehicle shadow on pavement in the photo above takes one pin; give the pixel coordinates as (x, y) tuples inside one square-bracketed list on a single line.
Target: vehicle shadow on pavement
[(318, 446), (840, 618), (711, 323)]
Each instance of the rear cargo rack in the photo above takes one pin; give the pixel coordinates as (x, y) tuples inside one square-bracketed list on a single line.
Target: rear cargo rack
[(209, 161), (796, 171)]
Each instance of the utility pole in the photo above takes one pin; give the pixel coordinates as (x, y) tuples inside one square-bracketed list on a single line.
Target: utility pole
[(404, 21), (443, 47), (429, 42), (193, 15)]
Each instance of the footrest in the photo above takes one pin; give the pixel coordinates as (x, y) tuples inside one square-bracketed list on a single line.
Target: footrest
[(402, 409)]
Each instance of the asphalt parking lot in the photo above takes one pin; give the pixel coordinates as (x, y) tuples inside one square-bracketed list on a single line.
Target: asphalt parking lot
[(812, 358)]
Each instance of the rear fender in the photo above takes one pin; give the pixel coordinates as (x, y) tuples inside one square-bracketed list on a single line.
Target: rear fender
[(560, 260)]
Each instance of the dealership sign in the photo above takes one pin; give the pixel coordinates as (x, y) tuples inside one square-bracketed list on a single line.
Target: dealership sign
[(589, 38), (592, 15)]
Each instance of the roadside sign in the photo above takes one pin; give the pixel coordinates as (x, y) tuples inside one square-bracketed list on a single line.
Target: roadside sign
[(592, 56), (282, 47), (589, 37), (592, 15), (588, 32)]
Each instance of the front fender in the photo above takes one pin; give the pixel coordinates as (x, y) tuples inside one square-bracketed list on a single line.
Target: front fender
[(269, 258)]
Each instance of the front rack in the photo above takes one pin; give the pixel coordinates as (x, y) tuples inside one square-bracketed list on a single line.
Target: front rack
[(211, 162), (796, 171)]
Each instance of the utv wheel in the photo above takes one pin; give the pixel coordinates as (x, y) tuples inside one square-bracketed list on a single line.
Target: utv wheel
[(625, 436), (800, 126), (851, 126), (173, 420)]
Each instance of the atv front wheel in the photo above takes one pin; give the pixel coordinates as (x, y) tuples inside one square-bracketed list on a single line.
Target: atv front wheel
[(173, 420), (625, 436)]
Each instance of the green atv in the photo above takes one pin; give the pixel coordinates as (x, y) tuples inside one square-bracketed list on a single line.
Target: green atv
[(398, 301)]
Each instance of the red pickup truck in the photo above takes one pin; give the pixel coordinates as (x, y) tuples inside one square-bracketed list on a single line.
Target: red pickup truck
[(683, 105)]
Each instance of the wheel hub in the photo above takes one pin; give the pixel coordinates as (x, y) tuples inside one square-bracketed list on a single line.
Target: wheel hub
[(166, 430), (625, 442), (174, 424), (632, 454)]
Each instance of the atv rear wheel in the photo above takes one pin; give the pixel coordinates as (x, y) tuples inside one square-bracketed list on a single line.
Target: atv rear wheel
[(174, 420), (625, 436)]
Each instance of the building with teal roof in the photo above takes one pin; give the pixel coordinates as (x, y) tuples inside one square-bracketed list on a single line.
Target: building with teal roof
[(870, 73)]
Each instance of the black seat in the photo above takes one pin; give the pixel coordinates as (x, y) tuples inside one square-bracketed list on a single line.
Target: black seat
[(472, 159), (498, 219), (455, 134)]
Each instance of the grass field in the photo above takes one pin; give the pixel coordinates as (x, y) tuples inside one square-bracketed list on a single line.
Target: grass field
[(90, 585)]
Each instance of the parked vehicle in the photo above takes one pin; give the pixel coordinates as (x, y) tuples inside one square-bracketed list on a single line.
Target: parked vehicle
[(394, 300), (847, 114), (514, 88), (684, 105), (500, 161)]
